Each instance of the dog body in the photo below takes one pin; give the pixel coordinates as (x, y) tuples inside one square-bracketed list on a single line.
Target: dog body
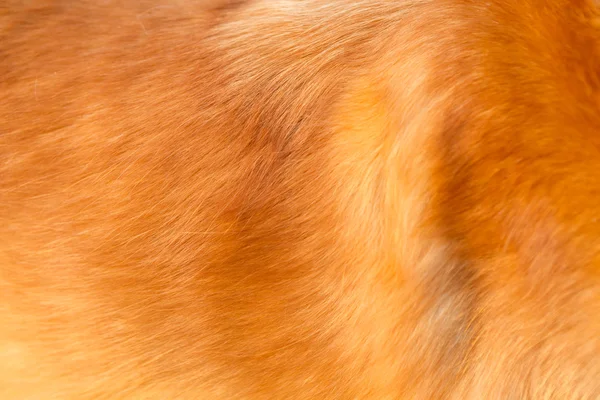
[(299, 199)]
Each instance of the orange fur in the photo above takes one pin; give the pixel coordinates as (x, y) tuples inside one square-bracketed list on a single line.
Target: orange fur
[(299, 199)]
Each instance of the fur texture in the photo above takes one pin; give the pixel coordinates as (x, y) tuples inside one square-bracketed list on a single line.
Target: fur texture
[(299, 199)]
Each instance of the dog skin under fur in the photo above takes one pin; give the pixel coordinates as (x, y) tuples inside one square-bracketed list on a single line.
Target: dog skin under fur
[(299, 199)]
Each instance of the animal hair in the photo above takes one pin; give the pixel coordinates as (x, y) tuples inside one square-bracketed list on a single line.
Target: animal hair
[(299, 199)]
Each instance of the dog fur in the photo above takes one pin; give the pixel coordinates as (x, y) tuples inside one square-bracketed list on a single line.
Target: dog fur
[(299, 199)]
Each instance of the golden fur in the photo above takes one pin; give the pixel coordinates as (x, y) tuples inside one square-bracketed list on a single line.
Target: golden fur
[(299, 199)]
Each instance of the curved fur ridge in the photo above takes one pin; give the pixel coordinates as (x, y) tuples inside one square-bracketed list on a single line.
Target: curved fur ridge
[(299, 199)]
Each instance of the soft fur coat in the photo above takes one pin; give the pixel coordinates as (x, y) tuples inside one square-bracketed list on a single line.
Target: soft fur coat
[(299, 199)]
